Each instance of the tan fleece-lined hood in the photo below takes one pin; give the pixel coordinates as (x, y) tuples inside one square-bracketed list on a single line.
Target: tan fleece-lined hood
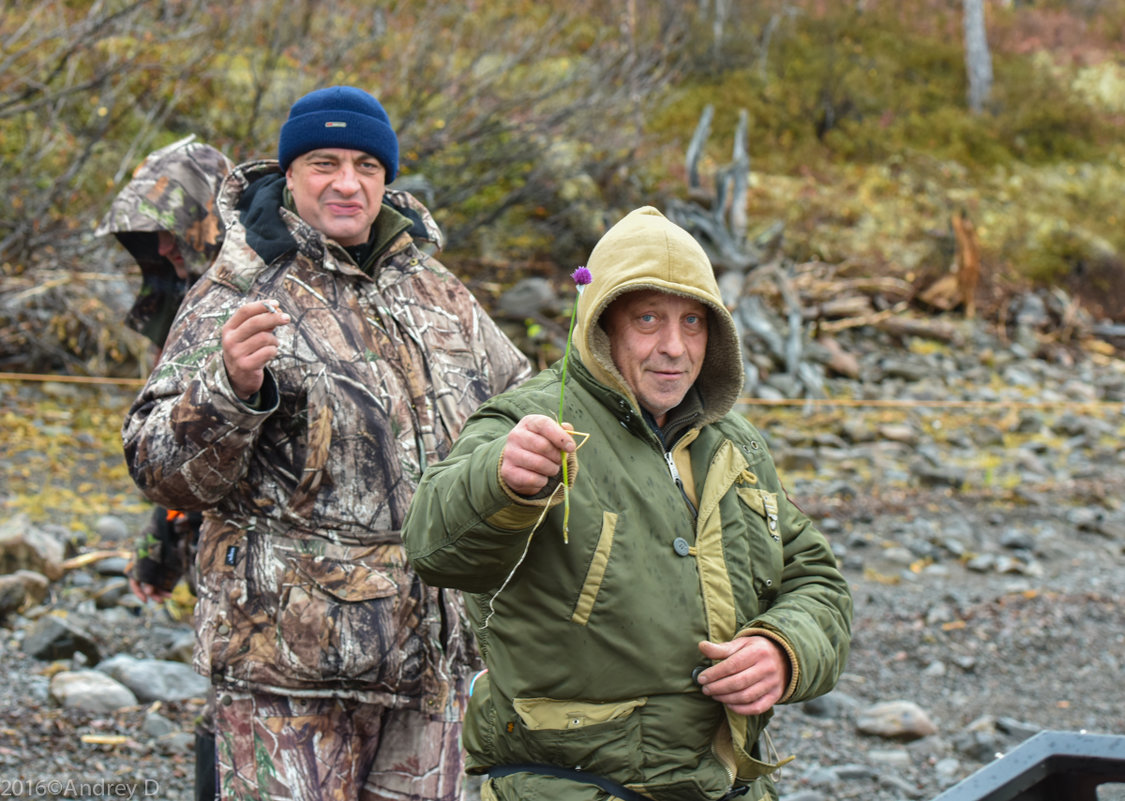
[(645, 250)]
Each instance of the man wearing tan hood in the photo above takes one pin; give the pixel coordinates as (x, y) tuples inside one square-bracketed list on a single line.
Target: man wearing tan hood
[(638, 652)]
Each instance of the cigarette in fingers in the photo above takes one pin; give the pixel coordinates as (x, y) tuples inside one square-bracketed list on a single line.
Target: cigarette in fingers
[(275, 308)]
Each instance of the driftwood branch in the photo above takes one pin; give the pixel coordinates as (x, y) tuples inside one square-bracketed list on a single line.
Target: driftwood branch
[(695, 147), (914, 327), (719, 220), (968, 261)]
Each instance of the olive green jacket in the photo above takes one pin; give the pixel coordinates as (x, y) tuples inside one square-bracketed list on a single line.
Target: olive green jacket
[(591, 637)]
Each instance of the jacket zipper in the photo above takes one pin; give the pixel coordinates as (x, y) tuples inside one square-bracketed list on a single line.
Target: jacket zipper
[(679, 482)]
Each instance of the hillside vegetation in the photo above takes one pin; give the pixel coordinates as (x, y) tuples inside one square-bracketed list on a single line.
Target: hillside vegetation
[(529, 127)]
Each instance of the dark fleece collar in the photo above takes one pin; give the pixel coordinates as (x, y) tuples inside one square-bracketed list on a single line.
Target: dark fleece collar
[(258, 211)]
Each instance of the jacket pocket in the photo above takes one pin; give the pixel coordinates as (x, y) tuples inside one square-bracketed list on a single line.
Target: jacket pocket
[(595, 573), (343, 619), (765, 541), (603, 738)]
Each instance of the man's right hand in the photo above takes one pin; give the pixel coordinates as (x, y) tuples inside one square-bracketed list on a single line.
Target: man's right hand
[(147, 592), (532, 454), (249, 345)]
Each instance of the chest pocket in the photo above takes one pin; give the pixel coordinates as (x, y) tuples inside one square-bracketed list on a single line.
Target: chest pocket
[(766, 554), (762, 502)]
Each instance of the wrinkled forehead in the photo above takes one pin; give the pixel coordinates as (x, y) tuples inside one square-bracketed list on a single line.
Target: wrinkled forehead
[(635, 301)]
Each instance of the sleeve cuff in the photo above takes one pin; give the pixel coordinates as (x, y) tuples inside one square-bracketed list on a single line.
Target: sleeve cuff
[(794, 665), (522, 512)]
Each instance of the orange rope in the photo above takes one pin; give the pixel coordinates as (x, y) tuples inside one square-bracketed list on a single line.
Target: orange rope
[(72, 379), (943, 404), (806, 402)]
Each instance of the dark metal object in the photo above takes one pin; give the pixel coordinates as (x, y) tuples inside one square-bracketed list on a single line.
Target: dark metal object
[(1051, 766)]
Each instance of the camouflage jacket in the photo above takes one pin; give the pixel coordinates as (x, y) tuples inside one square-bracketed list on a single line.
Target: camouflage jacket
[(173, 190), (303, 585)]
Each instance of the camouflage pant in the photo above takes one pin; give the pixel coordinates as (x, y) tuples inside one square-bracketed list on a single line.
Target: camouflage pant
[(281, 748)]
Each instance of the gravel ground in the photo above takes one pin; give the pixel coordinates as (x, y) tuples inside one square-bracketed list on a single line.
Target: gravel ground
[(991, 600), (991, 658)]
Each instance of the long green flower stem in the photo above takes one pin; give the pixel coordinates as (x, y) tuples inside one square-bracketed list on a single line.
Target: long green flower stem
[(558, 419)]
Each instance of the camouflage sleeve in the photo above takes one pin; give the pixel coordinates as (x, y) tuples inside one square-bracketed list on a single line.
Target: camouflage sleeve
[(505, 365), (187, 437)]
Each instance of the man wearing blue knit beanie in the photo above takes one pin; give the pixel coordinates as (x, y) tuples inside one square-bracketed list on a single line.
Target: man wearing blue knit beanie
[(322, 363)]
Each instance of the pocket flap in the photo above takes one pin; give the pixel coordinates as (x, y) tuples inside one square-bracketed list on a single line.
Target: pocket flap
[(542, 714), (762, 502), (345, 580)]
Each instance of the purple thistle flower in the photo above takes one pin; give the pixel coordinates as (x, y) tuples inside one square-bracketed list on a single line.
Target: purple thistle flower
[(581, 278)]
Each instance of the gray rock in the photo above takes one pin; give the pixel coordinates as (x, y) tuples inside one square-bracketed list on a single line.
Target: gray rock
[(805, 795), (52, 637), (794, 459), (527, 298), (933, 476), (21, 590), (111, 527), (852, 770), (831, 705), (1030, 422), (977, 744), (156, 679), (948, 771), (181, 647), (899, 432), (90, 690), (109, 594), (113, 566), (896, 720), (890, 757), (26, 547), (1017, 728), (907, 369), (788, 385), (156, 725), (987, 436), (176, 742), (1017, 539)]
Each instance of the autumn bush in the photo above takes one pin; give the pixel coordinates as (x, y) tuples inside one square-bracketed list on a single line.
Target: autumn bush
[(861, 142), (528, 127)]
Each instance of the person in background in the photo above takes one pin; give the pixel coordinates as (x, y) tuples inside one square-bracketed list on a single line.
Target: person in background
[(638, 629), (313, 374), (166, 219)]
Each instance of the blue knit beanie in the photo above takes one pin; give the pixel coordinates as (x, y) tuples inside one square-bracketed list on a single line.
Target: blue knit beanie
[(339, 116)]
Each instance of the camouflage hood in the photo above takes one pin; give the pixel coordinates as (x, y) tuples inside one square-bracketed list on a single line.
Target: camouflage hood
[(173, 190)]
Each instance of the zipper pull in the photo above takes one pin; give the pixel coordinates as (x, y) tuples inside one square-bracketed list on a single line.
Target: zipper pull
[(672, 469), (679, 482)]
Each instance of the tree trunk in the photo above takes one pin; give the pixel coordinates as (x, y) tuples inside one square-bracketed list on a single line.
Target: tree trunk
[(978, 60)]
